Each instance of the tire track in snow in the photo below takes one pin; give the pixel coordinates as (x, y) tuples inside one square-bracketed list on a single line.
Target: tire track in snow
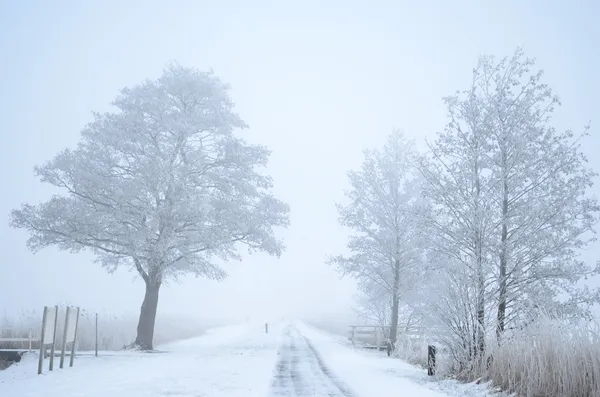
[(301, 371)]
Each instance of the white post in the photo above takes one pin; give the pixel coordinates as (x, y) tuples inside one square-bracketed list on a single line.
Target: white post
[(64, 344), (51, 368), (30, 338), (377, 338), (42, 350), (353, 334), (74, 339), (96, 334)]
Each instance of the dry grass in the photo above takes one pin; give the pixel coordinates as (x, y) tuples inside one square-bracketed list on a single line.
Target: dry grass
[(549, 358)]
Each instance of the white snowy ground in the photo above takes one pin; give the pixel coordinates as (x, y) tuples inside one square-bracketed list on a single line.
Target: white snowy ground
[(370, 374), (235, 361)]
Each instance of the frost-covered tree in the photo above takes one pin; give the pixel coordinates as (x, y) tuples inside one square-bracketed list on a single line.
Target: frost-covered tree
[(384, 211), (511, 204), (542, 209), (538, 210), (162, 185), (459, 188)]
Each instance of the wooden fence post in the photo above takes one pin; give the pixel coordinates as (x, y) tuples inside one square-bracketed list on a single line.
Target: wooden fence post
[(96, 334), (74, 339), (64, 341), (431, 360), (42, 348), (51, 368)]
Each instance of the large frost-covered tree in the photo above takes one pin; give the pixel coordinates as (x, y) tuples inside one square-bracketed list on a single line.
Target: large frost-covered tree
[(542, 210), (511, 203), (162, 185), (383, 210)]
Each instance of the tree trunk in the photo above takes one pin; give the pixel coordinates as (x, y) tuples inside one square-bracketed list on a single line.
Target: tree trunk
[(145, 328), (480, 270), (502, 290), (394, 325), (503, 257), (480, 326), (395, 303), (481, 316)]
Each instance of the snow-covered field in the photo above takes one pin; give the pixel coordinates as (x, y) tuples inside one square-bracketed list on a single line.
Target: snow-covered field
[(292, 360)]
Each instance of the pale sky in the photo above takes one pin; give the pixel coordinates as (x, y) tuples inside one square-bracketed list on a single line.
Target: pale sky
[(317, 84)]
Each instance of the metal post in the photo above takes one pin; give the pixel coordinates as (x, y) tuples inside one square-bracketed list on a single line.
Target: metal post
[(42, 352), (64, 344), (51, 368), (96, 334), (30, 339), (353, 334), (266, 328), (74, 339), (431, 360)]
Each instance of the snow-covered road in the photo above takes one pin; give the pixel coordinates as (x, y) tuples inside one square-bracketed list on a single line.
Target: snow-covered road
[(234, 361), (300, 371)]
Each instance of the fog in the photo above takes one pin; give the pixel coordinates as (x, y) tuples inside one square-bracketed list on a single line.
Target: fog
[(316, 83)]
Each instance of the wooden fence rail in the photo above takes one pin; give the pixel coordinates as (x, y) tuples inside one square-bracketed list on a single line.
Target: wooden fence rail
[(30, 340)]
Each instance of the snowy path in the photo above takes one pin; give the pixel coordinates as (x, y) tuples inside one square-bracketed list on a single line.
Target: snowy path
[(235, 361), (300, 371)]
